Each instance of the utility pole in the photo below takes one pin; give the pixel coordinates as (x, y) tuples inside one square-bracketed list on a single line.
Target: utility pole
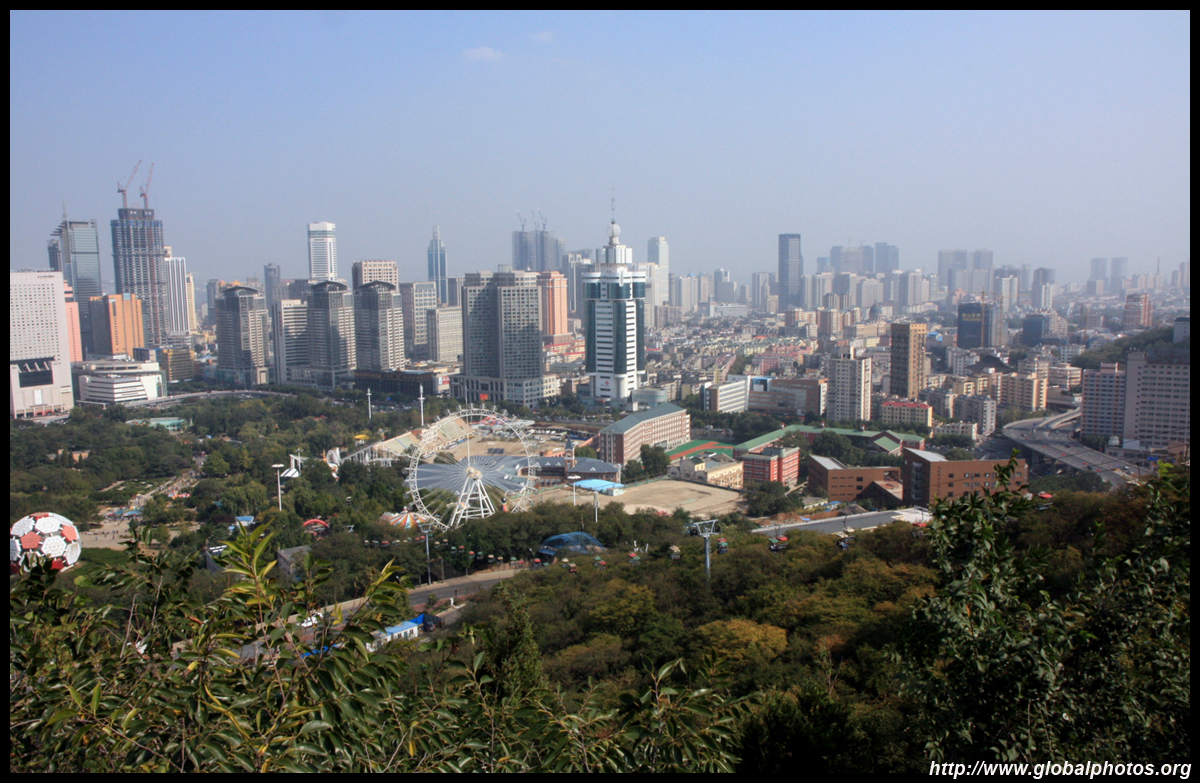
[(707, 528)]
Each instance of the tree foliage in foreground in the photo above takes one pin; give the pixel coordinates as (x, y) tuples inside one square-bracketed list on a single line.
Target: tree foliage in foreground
[(183, 686), (1001, 669)]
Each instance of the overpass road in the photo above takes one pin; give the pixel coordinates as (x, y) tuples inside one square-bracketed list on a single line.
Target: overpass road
[(1051, 438)]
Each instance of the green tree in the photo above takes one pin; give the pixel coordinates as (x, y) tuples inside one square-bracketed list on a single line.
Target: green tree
[(216, 465), (655, 460), (1001, 669)]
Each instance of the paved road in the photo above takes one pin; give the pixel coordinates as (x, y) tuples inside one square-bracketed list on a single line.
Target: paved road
[(1051, 437), (839, 524), (463, 585)]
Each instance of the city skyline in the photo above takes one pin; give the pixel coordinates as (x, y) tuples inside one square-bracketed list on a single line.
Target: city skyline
[(1035, 143)]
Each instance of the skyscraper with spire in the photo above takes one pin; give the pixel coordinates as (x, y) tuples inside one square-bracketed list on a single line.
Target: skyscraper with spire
[(437, 265), (614, 321)]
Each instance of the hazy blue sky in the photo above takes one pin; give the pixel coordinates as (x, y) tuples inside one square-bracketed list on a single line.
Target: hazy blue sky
[(1049, 138)]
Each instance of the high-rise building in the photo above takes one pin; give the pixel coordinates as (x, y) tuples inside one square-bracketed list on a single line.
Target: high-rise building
[(887, 258), (553, 287), (1139, 313), (378, 327), (850, 388), (272, 285), (1158, 398), (289, 322), (908, 359), (39, 364), (614, 322), (175, 275), (242, 334), (1118, 271), (417, 299), (74, 338), (536, 251), (502, 343), (436, 265), (950, 262), (137, 240), (444, 326), (332, 345), (1099, 269), (980, 325), (118, 325), (363, 272), (574, 265), (791, 270), (1102, 410), (322, 251), (75, 251), (1006, 289), (658, 253), (190, 294)]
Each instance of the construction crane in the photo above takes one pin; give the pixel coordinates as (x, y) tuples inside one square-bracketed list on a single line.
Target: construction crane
[(145, 190), (521, 219), (122, 188), (544, 221)]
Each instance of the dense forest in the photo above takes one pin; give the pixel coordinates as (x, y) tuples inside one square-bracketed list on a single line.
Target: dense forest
[(1004, 630)]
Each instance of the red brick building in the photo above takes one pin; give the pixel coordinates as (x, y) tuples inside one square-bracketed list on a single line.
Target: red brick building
[(928, 475), (771, 464), (663, 425), (838, 481)]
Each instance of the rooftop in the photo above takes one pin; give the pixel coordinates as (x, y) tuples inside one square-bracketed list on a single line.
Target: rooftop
[(633, 419)]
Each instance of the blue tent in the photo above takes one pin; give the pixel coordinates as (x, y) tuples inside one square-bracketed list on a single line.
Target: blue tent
[(573, 542)]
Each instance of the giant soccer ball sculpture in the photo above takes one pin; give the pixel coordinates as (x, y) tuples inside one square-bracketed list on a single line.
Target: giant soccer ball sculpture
[(44, 534)]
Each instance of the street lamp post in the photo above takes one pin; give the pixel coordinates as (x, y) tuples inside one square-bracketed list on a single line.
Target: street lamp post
[(573, 479), (278, 484), (425, 527)]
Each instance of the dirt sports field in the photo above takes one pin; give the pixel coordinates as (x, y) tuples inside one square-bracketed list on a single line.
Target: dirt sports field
[(666, 495)]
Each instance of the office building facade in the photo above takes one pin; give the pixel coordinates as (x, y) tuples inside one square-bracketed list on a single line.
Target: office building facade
[(117, 325), (980, 325), (289, 324), (378, 327), (791, 270), (363, 272), (416, 300), (502, 343), (138, 253), (1158, 400), (332, 346), (322, 251), (908, 359), (436, 266), (536, 251), (444, 328), (553, 288), (614, 322), (850, 388), (39, 351), (243, 327), (74, 250)]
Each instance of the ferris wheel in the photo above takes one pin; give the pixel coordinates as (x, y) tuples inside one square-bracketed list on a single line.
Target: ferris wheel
[(469, 464)]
